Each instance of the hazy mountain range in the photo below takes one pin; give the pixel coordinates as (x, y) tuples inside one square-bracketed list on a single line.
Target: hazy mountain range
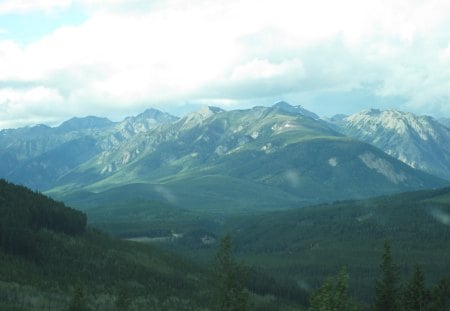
[(214, 159), (419, 141)]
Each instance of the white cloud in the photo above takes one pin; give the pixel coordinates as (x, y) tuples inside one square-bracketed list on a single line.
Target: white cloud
[(35, 95), (263, 69), (22, 6), (17, 105), (132, 53)]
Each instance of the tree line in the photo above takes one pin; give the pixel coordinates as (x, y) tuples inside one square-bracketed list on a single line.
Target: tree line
[(24, 212), (390, 294)]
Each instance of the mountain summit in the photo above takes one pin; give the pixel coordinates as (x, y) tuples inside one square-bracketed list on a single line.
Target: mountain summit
[(198, 116), (286, 107), (419, 141), (156, 115), (90, 122)]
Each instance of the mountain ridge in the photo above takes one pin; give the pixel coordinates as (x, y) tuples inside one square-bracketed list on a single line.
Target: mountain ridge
[(285, 151), (419, 141), (261, 148), (88, 122)]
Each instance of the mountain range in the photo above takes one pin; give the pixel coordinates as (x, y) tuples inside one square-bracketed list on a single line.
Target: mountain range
[(419, 141), (258, 158)]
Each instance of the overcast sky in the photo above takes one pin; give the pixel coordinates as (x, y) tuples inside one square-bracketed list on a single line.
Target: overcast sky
[(64, 58)]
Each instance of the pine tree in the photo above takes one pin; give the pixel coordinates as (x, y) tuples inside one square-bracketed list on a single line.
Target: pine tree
[(333, 295), (440, 296), (78, 302), (230, 279), (322, 299), (386, 289), (416, 297), (123, 300)]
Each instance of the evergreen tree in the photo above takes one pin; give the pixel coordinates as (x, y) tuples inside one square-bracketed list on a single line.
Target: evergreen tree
[(333, 295), (416, 297), (386, 289), (123, 300), (230, 279), (440, 296), (78, 302)]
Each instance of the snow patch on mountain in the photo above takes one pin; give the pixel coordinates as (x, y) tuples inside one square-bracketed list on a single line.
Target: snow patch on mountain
[(221, 150), (267, 148), (333, 162), (254, 135)]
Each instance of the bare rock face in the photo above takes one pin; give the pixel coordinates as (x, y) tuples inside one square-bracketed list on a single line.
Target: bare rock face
[(419, 141)]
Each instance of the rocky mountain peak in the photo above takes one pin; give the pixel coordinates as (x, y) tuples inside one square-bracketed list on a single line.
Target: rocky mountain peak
[(298, 110), (419, 141), (89, 122), (157, 115), (143, 122), (402, 123), (197, 117)]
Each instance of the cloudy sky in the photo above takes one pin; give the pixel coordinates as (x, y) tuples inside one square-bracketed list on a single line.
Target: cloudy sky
[(63, 58)]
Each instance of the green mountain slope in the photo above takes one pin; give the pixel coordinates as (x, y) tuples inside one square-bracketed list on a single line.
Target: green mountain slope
[(50, 260), (243, 160), (309, 244), (46, 251)]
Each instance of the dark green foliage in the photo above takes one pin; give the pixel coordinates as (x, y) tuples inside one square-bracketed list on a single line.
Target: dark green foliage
[(33, 225), (333, 295), (105, 265), (440, 296), (23, 207), (263, 284), (416, 297), (123, 300), (310, 243), (17, 240), (387, 288), (78, 301), (24, 212), (120, 275), (230, 279), (413, 296)]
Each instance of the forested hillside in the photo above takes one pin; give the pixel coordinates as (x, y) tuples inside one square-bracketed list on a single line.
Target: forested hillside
[(312, 243), (50, 260), (307, 245), (24, 213), (48, 257)]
